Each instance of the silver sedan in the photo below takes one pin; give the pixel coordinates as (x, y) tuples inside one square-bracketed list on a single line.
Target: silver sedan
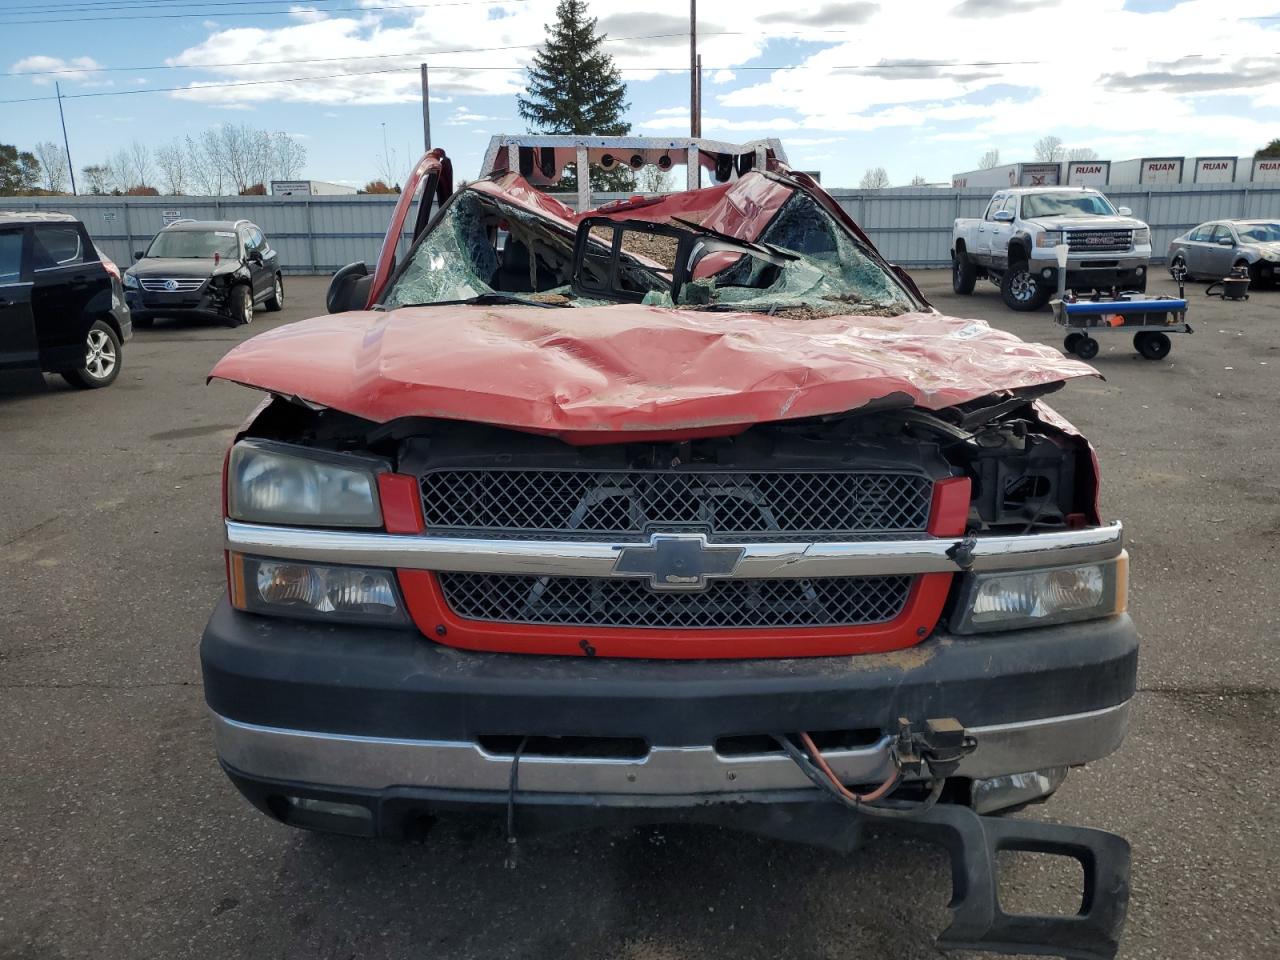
[(1211, 250)]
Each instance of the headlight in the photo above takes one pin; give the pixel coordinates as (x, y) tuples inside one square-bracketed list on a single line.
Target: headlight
[(131, 281), (1036, 598), (1142, 235), (279, 483), (336, 594), (1050, 238)]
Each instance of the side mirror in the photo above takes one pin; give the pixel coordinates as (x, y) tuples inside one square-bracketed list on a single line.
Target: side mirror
[(1124, 211), (1003, 216), (349, 289), (138, 254), (1226, 242), (255, 256)]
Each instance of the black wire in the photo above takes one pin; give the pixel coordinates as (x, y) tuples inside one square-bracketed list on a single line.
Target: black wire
[(899, 811), (512, 783)]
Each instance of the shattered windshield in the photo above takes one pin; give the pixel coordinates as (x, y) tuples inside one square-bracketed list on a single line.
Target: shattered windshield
[(817, 270), (804, 264), (482, 248)]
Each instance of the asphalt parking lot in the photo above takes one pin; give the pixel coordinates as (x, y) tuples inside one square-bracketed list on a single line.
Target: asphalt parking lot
[(122, 838)]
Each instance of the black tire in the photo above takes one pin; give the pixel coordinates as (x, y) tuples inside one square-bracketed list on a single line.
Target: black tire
[(1180, 259), (1069, 344), (963, 273), (1020, 290), (241, 302), (275, 302), (102, 359), (144, 323), (1141, 285), (1086, 348), (1153, 346)]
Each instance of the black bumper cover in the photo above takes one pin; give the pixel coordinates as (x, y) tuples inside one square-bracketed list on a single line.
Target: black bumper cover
[(397, 683)]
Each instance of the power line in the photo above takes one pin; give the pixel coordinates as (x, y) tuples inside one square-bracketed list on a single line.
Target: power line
[(420, 55), (260, 13)]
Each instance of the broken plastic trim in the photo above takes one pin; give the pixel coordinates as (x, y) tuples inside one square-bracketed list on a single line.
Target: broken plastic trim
[(978, 923)]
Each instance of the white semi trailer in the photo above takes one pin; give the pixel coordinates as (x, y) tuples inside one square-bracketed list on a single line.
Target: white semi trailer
[(1088, 173), (1011, 175), (1147, 170)]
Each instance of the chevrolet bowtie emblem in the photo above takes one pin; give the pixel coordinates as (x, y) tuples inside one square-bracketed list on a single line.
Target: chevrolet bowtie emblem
[(677, 561)]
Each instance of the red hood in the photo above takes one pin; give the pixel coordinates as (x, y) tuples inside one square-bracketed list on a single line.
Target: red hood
[(597, 374)]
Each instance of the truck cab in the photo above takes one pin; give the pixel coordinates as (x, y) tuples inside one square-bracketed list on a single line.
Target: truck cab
[(1014, 244)]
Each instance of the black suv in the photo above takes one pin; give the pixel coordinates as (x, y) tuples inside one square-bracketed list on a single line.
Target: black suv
[(62, 306), (205, 268)]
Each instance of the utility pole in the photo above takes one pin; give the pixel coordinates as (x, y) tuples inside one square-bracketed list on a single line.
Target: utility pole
[(697, 96), (695, 118), (71, 169), (426, 111)]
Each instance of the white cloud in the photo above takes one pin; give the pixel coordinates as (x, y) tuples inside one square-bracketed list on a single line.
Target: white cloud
[(307, 14), (77, 69)]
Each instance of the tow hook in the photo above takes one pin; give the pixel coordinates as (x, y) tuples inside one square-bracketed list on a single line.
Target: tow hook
[(940, 746)]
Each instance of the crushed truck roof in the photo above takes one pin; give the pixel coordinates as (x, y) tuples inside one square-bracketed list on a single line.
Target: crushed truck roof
[(803, 328)]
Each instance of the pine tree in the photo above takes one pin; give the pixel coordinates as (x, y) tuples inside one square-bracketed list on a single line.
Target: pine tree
[(574, 88)]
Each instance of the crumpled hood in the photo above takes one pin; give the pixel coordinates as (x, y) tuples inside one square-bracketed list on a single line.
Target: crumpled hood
[(625, 371)]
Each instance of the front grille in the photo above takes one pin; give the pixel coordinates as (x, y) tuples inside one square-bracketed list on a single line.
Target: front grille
[(180, 284), (1086, 241), (725, 604), (602, 504)]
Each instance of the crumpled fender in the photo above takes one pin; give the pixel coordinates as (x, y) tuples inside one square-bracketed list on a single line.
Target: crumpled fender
[(603, 374)]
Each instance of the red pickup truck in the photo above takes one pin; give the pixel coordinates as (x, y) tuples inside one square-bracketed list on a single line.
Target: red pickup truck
[(684, 508)]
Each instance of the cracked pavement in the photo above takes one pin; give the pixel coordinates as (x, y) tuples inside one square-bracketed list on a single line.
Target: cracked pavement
[(123, 839)]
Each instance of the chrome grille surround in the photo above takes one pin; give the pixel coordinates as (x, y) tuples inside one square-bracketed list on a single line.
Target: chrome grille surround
[(724, 604), (805, 505), (1099, 241), (180, 284)]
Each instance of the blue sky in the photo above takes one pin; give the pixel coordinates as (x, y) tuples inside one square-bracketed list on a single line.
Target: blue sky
[(847, 85)]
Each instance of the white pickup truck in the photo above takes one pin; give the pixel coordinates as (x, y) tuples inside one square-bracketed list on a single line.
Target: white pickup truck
[(1014, 245)]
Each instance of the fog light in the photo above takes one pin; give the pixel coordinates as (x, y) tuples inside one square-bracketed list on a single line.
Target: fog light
[(1010, 790), (328, 815), (1141, 271), (1047, 272)]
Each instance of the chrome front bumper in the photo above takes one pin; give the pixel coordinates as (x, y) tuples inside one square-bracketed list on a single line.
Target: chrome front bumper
[(377, 763)]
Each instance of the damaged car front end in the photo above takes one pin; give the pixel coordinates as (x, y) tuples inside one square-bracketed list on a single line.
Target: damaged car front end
[(685, 508)]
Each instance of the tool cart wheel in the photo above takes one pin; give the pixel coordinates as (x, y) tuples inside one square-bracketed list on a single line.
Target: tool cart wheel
[(1153, 346), (1069, 344), (1086, 347)]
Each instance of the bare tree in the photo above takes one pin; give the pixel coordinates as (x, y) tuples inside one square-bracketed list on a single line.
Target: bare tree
[(1048, 149), (989, 159), (204, 160), (652, 179), (172, 161), (290, 156), (919, 181), (388, 167), (97, 177), (141, 169), (53, 166), (876, 178), (121, 166), (1082, 153)]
